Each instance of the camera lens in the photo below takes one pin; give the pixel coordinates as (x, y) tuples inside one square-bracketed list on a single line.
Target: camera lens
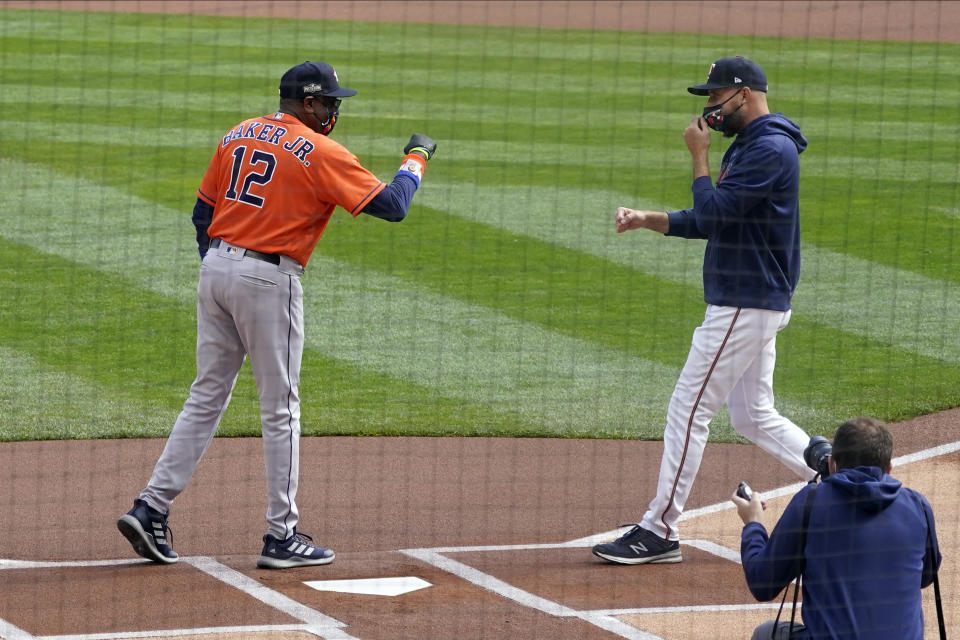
[(817, 455)]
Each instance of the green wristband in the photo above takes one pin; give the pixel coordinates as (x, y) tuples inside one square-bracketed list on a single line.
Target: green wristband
[(426, 154)]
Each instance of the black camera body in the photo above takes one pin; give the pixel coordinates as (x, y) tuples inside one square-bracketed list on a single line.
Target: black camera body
[(817, 455)]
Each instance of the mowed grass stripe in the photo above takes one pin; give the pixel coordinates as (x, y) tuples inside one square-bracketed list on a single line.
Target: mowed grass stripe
[(471, 41), (441, 102), (874, 196), (567, 365), (131, 358), (563, 385), (451, 342), (883, 304), (916, 167), (579, 295), (443, 77), (551, 383), (42, 402), (923, 242), (843, 292)]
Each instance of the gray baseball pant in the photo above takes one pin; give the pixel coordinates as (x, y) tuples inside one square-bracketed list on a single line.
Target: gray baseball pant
[(244, 306)]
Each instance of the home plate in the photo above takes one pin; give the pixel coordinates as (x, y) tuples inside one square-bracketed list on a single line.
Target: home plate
[(371, 586)]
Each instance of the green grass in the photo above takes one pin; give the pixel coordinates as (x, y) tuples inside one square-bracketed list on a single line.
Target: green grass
[(505, 304)]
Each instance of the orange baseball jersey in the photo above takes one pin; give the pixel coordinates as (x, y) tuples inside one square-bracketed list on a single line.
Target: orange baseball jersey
[(274, 183)]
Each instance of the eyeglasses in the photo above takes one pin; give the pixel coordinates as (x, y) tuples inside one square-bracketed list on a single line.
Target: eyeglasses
[(330, 103)]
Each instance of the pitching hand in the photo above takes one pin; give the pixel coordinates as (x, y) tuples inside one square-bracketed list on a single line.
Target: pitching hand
[(749, 511), (697, 135)]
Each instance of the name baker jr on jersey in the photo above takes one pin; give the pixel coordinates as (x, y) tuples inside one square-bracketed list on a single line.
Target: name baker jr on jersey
[(271, 134)]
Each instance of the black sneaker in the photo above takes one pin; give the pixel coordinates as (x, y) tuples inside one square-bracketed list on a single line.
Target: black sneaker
[(296, 551), (639, 546), (147, 531)]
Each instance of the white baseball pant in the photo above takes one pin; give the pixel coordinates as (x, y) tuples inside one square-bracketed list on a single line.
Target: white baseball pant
[(731, 359), (244, 306)]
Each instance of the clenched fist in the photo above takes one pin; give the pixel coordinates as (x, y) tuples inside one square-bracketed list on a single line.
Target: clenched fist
[(628, 219), (421, 145)]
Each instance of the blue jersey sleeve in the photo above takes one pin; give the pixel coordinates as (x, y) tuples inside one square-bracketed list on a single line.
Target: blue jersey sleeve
[(392, 203), (202, 215)]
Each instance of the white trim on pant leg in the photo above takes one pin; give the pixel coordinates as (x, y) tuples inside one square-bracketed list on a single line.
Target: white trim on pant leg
[(274, 329), (290, 420)]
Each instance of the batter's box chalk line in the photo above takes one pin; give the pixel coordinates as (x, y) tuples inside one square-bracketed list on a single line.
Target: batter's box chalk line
[(323, 626), (311, 621), (605, 618)]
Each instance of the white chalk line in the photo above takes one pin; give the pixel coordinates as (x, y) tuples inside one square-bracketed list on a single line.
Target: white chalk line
[(172, 633), (329, 628), (30, 564), (606, 618), (789, 489), (312, 621), (10, 632), (703, 608), (321, 624), (525, 598)]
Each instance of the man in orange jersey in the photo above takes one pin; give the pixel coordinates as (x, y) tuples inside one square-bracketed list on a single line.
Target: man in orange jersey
[(264, 201)]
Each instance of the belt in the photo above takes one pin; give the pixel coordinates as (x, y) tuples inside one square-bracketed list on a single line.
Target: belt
[(272, 258)]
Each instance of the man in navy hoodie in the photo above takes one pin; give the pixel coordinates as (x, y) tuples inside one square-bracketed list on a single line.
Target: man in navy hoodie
[(751, 221), (867, 550)]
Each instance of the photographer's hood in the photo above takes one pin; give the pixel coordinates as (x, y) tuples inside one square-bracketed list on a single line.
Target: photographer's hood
[(871, 489)]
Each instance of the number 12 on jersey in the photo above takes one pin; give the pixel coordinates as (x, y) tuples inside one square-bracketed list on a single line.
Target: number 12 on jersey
[(261, 167)]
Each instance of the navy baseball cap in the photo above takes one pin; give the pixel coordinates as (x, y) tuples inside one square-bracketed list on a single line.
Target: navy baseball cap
[(312, 79), (736, 71)]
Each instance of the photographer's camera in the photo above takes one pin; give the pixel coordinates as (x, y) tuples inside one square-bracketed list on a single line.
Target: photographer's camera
[(817, 455)]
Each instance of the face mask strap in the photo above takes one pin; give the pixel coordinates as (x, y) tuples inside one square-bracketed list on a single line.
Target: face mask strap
[(715, 117)]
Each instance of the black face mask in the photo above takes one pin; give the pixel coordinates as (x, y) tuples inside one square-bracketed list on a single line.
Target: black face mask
[(333, 112), (715, 117)]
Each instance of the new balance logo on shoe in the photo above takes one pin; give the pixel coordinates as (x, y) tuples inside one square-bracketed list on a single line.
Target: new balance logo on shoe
[(639, 546)]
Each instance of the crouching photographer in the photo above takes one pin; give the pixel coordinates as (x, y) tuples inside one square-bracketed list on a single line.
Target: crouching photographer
[(864, 544)]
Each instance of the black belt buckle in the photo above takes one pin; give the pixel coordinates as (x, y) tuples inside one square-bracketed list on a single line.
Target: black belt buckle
[(272, 258)]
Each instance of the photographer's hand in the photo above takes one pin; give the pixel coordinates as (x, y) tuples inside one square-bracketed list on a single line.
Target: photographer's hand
[(749, 511)]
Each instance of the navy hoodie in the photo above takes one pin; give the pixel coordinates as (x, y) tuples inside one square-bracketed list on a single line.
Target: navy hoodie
[(865, 559), (751, 218)]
